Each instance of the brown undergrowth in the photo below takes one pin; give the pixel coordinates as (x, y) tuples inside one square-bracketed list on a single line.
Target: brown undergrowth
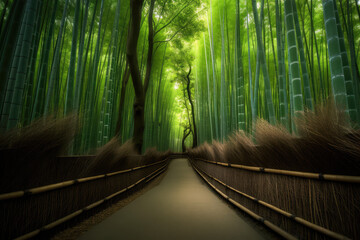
[(326, 143), (111, 157), (28, 154), (33, 156)]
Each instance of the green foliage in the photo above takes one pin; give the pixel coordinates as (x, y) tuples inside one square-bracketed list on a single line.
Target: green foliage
[(69, 56), (303, 70)]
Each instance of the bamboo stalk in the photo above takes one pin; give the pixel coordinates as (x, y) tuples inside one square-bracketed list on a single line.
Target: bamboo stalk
[(54, 186), (264, 68)]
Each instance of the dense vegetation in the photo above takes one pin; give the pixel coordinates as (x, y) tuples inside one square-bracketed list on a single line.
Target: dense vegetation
[(201, 68)]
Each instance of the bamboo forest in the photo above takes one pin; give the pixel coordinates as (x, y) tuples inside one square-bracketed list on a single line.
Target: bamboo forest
[(242, 60), (264, 85)]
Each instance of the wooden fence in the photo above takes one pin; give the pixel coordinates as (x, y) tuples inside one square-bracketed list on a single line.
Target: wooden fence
[(293, 204), (42, 208)]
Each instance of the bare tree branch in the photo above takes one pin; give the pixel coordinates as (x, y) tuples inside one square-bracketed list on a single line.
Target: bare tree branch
[(171, 20)]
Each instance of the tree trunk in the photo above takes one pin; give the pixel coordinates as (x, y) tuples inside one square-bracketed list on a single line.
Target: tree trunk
[(192, 108), (150, 46), (186, 134), (131, 54)]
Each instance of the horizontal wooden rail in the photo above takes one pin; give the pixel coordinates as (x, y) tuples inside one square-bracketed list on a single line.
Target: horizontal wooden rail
[(319, 176), (300, 220), (37, 190), (93, 205), (267, 223)]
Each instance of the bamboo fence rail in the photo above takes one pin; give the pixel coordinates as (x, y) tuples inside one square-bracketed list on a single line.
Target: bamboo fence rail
[(42, 189), (319, 176), (267, 223), (93, 205), (300, 220)]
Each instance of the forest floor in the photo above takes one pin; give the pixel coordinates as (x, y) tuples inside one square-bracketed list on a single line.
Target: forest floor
[(181, 207)]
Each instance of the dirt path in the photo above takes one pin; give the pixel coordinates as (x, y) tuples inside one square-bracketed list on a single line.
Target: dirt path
[(181, 207)]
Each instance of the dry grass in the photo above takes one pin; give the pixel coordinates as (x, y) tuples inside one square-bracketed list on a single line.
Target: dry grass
[(29, 157), (28, 154), (111, 157), (276, 147), (42, 137), (326, 144), (218, 149), (152, 155), (240, 149), (205, 151), (328, 135), (326, 125)]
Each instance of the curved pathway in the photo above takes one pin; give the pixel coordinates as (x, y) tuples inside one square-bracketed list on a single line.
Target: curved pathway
[(180, 207)]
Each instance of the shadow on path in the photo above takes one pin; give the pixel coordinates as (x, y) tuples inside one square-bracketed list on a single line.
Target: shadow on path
[(180, 207)]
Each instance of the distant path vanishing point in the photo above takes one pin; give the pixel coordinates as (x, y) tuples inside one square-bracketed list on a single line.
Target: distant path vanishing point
[(181, 207)]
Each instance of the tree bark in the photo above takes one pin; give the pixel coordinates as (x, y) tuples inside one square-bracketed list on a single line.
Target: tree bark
[(150, 46), (192, 108), (131, 54), (187, 132)]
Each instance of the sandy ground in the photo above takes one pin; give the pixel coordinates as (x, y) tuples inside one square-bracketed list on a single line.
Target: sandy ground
[(181, 207), (80, 228)]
